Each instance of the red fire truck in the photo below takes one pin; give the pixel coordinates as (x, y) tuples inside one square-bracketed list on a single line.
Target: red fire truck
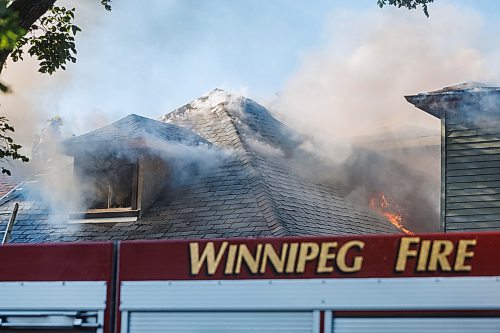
[(423, 283)]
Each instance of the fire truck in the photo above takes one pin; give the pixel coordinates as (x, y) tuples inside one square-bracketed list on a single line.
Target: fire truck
[(418, 283)]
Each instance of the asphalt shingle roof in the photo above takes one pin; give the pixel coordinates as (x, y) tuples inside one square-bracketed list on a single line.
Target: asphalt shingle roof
[(142, 130), (252, 192)]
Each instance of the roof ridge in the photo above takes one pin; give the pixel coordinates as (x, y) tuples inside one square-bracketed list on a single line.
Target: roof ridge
[(235, 128), (270, 198), (259, 187), (265, 202)]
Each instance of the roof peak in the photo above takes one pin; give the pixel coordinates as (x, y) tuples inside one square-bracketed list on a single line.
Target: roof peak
[(217, 90), (131, 131), (232, 120)]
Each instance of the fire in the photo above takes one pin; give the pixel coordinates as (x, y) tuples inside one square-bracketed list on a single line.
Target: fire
[(391, 212)]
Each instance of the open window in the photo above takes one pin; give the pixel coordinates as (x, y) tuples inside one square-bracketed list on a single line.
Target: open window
[(113, 188), (109, 190)]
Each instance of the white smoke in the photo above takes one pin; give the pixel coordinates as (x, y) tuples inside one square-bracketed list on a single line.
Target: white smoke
[(355, 84), (348, 96)]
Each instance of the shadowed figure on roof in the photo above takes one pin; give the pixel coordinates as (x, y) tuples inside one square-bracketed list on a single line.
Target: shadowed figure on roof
[(45, 144)]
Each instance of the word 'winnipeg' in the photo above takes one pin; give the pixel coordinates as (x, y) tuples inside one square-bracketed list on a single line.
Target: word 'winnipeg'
[(291, 257)]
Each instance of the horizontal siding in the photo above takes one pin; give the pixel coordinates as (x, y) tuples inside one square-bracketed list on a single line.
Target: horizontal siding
[(474, 230), (472, 171), (472, 165), (472, 180), (462, 132), (473, 152), (472, 205), (472, 185), (472, 211), (472, 159), (473, 218), (478, 226), (474, 139), (480, 194), (472, 198), (481, 145)]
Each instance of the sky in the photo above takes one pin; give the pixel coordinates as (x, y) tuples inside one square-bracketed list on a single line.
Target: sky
[(151, 57)]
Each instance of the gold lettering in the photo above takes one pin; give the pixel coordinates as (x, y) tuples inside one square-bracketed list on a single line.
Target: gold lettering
[(342, 254), (308, 251), (245, 255), (423, 257), (324, 256), (441, 249), (207, 255), (292, 256), (277, 261), (463, 253), (231, 256), (405, 252)]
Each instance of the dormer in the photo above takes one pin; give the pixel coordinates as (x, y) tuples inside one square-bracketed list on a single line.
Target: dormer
[(123, 168)]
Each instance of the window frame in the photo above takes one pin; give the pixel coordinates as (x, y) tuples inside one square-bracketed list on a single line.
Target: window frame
[(119, 214)]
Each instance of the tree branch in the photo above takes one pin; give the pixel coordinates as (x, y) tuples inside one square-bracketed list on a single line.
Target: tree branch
[(29, 12)]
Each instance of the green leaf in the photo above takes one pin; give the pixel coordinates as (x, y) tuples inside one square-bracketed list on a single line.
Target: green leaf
[(4, 88), (75, 29)]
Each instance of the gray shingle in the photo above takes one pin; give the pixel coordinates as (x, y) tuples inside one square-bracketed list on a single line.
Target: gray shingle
[(248, 195)]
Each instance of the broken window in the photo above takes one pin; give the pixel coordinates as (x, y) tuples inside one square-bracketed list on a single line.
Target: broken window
[(112, 188), (108, 185)]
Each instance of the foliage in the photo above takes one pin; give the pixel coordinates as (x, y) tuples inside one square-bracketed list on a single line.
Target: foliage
[(106, 4), (10, 32), (51, 40), (8, 149), (410, 4), (9, 29)]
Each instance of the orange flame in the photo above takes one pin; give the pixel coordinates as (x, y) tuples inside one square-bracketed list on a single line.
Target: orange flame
[(380, 203)]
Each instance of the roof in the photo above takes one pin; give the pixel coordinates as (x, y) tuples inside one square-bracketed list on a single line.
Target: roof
[(7, 183), (132, 131), (435, 102), (254, 190)]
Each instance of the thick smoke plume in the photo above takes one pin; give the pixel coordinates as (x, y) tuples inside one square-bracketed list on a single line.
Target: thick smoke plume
[(349, 96)]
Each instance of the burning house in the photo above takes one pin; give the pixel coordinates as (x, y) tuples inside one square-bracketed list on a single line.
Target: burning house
[(223, 167), (220, 166)]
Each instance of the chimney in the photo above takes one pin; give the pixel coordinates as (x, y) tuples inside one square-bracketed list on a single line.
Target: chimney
[(470, 154)]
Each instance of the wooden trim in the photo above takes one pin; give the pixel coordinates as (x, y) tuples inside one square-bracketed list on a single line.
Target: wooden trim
[(140, 182), (442, 215), (135, 178), (109, 213)]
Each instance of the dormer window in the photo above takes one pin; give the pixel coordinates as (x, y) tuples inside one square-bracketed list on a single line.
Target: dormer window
[(122, 167)]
